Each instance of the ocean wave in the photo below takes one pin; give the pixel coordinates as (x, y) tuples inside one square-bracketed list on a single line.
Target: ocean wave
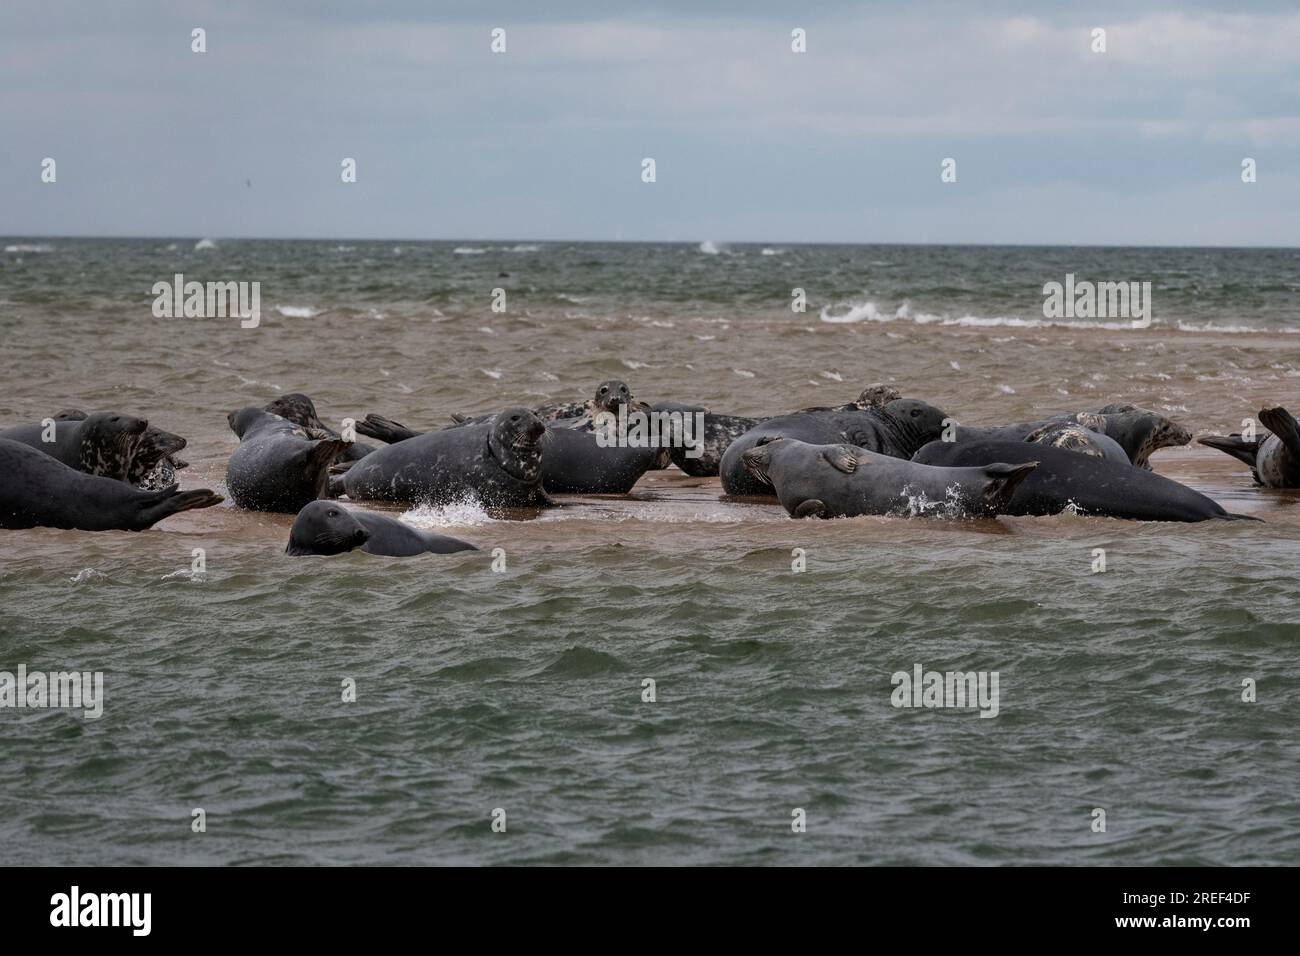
[(711, 248), (468, 251), (773, 252), (524, 247), (297, 311), (869, 311), (27, 247), (204, 244)]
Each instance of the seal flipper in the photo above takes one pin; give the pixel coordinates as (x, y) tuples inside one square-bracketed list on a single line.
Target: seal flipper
[(841, 458), (1002, 484), (317, 462), (1282, 424), (1234, 445), (170, 501), (384, 429), (812, 508)]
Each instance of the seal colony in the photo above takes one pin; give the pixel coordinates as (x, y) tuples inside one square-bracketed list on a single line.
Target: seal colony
[(881, 454)]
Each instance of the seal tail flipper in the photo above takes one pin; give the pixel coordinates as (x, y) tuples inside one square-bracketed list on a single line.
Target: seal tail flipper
[(1002, 484), (1282, 424), (812, 508), (1234, 445), (170, 501), (384, 429)]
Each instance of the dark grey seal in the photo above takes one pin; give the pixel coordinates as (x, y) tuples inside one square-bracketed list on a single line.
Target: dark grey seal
[(498, 463), (100, 444), (37, 490), (326, 527), (153, 457), (301, 410), (839, 481), (277, 466), (1274, 460), (1065, 480), (897, 429)]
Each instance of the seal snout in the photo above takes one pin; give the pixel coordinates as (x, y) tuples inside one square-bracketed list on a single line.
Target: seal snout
[(360, 536)]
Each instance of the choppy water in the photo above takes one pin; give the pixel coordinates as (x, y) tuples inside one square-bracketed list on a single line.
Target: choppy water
[(523, 690)]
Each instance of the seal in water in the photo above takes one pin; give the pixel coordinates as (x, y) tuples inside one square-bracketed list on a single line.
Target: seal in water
[(1275, 459), (100, 444), (1090, 486), (897, 429), (301, 410), (277, 467), (153, 459), (498, 463), (841, 481), (38, 490), (326, 527)]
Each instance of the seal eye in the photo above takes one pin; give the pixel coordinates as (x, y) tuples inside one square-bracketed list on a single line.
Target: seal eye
[(333, 514), (604, 389), (915, 412), (514, 418)]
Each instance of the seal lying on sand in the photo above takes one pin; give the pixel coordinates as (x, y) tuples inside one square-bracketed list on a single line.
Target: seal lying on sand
[(1138, 431), (573, 459), (301, 410), (99, 444), (610, 395), (721, 430), (498, 463), (897, 429), (1275, 459), (153, 457), (326, 527), (277, 467), (38, 490), (1078, 438), (836, 481), (1067, 480)]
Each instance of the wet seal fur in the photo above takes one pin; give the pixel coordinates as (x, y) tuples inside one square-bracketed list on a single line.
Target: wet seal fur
[(37, 490), (153, 458), (301, 410), (1138, 431), (1275, 459), (326, 527), (100, 444), (498, 463), (897, 429), (573, 461), (277, 466), (837, 481), (1090, 486)]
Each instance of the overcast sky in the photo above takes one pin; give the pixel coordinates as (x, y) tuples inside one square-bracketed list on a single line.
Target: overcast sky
[(1053, 143)]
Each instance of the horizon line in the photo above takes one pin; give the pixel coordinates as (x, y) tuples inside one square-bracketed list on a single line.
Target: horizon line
[(645, 242)]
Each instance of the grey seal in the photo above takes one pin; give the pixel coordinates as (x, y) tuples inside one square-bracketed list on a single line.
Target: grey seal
[(326, 527)]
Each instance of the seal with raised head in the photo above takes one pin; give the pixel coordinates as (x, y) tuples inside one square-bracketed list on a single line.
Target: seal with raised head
[(1274, 460), (38, 490), (326, 527), (277, 466), (153, 458), (610, 395), (1137, 431), (1065, 480), (301, 410), (574, 459), (897, 429), (100, 444), (841, 481), (498, 463)]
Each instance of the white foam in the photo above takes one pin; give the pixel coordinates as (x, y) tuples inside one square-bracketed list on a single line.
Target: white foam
[(468, 251), (457, 514), (297, 311), (204, 244), (491, 372), (524, 247), (26, 247)]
